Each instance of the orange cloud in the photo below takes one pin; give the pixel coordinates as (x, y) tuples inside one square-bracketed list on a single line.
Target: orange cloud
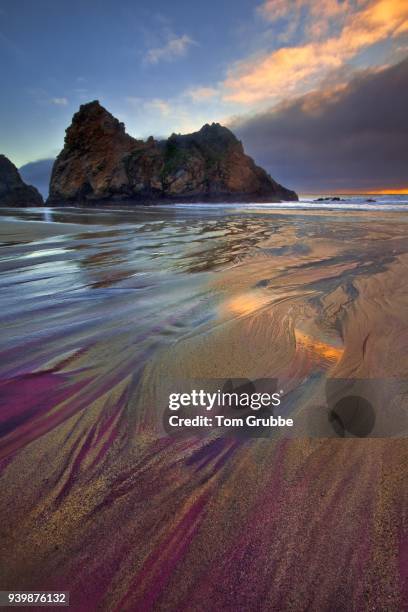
[(318, 14), (296, 69), (277, 9)]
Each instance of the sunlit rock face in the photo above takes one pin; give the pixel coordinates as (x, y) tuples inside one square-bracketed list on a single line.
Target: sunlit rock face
[(100, 162), (13, 190)]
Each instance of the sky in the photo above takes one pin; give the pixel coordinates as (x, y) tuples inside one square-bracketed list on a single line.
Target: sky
[(316, 89)]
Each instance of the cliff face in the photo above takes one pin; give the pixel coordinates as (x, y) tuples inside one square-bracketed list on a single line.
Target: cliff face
[(13, 190), (101, 163)]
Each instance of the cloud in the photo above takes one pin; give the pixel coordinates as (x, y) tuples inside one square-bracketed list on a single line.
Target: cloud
[(187, 111), (157, 104), (59, 101), (292, 70), (322, 11), (352, 136), (198, 94), (174, 48)]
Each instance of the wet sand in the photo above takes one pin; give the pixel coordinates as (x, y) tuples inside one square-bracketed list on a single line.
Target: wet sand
[(98, 501)]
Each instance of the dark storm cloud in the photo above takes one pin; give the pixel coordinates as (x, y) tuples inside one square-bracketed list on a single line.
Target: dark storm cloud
[(355, 138), (38, 173)]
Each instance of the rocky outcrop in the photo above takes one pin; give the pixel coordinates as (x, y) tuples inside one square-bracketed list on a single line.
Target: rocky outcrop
[(13, 190), (101, 163)]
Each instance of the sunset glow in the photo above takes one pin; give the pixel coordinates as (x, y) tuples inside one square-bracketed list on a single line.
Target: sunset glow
[(316, 90)]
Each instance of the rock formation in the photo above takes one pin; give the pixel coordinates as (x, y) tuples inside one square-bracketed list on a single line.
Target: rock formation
[(13, 190), (101, 163)]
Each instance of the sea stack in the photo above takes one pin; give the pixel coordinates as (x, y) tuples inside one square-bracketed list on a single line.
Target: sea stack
[(13, 190), (101, 163)]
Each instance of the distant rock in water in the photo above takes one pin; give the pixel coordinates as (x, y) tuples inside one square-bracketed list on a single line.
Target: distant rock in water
[(13, 190), (101, 163), (330, 199), (38, 173)]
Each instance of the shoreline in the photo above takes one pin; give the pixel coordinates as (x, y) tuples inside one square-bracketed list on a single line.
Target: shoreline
[(354, 204)]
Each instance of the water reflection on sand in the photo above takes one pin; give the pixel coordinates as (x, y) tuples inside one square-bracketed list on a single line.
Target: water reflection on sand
[(100, 309)]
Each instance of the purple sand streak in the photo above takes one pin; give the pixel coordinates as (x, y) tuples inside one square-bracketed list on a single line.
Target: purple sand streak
[(162, 568)]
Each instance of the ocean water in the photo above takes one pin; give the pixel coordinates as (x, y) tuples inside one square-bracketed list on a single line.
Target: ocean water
[(310, 202), (357, 202)]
